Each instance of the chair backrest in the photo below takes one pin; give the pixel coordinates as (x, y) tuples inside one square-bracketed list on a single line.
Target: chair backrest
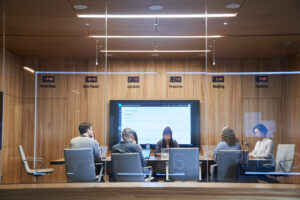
[(24, 160), (80, 166), (285, 157), (127, 167), (184, 163), (103, 151), (228, 161)]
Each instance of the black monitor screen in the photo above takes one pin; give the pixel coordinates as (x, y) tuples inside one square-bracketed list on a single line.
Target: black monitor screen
[(148, 118)]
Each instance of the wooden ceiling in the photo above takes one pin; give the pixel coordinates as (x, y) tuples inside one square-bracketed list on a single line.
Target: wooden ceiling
[(51, 28)]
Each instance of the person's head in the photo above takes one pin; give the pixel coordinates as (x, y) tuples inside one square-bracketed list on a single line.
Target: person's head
[(135, 137), (127, 134), (228, 136), (167, 134), (260, 131), (86, 128)]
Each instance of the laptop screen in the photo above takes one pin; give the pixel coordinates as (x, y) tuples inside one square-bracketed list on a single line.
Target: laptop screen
[(146, 153)]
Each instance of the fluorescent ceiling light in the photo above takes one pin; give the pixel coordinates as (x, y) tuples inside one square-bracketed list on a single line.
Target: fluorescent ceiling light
[(156, 7), (28, 69), (233, 6), (80, 7), (158, 16), (155, 51), (156, 36)]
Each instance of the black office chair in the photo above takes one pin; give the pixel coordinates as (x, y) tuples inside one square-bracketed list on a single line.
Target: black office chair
[(80, 166), (227, 168), (184, 164), (127, 167)]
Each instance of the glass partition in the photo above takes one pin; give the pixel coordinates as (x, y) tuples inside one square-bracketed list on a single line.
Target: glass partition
[(222, 75)]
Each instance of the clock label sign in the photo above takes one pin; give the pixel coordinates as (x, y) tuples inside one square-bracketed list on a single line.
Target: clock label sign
[(48, 79), (218, 79), (174, 80), (133, 80), (90, 79), (261, 81)]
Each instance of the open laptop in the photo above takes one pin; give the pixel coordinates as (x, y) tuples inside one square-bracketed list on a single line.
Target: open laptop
[(146, 153), (103, 150)]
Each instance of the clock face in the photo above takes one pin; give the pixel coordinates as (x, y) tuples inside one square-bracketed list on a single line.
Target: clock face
[(91, 79), (175, 79), (48, 79), (133, 79), (217, 79), (261, 78)]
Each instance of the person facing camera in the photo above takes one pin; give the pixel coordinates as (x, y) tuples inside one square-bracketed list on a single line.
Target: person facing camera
[(228, 141), (166, 142), (264, 146)]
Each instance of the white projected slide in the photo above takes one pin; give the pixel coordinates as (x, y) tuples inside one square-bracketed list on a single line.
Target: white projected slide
[(149, 122)]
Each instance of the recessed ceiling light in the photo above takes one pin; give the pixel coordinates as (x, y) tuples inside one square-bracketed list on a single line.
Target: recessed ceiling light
[(233, 5), (225, 23), (80, 7), (156, 7), (87, 24)]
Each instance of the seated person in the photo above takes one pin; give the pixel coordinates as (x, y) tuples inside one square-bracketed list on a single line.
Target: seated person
[(264, 146), (85, 141), (135, 138), (228, 141), (127, 145), (166, 142)]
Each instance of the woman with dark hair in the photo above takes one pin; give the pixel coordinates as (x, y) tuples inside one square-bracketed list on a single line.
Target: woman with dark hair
[(228, 141), (264, 146), (135, 138), (166, 142)]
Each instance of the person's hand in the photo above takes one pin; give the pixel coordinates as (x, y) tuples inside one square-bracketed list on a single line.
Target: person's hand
[(250, 155), (158, 155)]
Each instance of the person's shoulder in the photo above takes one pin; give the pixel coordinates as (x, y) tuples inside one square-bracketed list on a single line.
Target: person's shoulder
[(75, 138), (222, 143), (114, 147), (268, 140), (159, 142)]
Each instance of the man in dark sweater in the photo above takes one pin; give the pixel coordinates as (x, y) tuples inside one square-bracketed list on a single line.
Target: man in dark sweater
[(126, 146)]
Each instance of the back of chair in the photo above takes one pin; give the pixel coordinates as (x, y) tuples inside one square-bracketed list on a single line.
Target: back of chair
[(285, 157), (24, 160), (80, 166), (228, 161), (127, 167), (184, 163)]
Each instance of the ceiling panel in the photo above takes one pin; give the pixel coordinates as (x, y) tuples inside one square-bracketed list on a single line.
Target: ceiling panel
[(51, 28)]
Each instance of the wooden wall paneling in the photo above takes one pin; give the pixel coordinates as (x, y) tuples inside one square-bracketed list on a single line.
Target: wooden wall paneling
[(12, 118), (250, 89), (291, 114), (224, 107), (51, 124), (11, 139)]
